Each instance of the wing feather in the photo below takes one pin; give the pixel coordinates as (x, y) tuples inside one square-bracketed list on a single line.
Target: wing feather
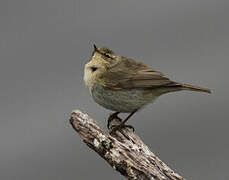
[(128, 74)]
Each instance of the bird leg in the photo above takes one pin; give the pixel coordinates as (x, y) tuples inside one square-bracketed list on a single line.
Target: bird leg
[(122, 124), (112, 117)]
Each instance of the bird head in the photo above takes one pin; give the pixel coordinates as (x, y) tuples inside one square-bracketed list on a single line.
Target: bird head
[(101, 60)]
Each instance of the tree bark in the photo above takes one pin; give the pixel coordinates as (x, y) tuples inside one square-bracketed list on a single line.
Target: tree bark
[(124, 150)]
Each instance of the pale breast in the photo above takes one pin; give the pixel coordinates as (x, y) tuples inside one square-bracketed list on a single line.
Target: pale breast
[(121, 100)]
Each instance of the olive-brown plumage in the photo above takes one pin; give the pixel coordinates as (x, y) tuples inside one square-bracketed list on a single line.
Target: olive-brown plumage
[(122, 84)]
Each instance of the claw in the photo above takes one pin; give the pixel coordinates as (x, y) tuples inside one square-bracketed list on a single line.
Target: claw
[(120, 127), (112, 117), (130, 127)]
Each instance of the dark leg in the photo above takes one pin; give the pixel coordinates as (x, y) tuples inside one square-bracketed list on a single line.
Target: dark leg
[(111, 117), (122, 124), (128, 117)]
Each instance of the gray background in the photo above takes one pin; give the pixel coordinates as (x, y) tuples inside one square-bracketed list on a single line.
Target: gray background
[(43, 48)]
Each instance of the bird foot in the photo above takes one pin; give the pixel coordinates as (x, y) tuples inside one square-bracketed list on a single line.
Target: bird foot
[(111, 118), (120, 127)]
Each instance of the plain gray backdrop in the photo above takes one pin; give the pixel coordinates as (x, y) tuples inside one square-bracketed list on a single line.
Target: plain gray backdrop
[(44, 45)]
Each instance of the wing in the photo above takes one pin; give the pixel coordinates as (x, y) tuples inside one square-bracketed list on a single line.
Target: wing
[(128, 74)]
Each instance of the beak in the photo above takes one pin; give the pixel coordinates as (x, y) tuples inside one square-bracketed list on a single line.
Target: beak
[(95, 48)]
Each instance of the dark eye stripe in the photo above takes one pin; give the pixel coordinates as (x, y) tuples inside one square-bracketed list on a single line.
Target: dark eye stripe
[(93, 68), (106, 55)]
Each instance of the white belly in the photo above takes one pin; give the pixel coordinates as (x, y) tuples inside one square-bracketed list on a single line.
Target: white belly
[(121, 100)]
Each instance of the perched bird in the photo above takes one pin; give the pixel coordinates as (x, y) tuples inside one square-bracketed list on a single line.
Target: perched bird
[(122, 84)]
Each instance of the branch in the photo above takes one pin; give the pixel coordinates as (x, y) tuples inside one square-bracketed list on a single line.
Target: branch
[(124, 151)]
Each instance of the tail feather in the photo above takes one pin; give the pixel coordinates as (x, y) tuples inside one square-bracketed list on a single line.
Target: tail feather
[(195, 88)]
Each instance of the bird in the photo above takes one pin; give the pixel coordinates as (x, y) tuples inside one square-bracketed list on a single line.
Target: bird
[(124, 85)]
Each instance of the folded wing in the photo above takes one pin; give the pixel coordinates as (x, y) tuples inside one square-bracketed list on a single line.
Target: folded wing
[(129, 74)]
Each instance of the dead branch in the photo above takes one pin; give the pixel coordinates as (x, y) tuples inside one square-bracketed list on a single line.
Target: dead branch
[(124, 151)]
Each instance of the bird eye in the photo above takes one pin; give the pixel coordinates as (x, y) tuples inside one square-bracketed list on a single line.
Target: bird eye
[(93, 68), (106, 55)]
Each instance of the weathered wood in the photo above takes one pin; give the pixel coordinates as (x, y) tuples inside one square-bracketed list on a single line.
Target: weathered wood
[(124, 151)]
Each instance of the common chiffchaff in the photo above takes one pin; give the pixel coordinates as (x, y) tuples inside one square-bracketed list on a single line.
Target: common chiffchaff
[(122, 84)]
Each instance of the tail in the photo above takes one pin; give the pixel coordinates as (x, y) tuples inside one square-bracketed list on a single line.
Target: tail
[(195, 88)]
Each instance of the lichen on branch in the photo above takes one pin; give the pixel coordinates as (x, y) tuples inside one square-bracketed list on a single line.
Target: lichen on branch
[(124, 150)]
